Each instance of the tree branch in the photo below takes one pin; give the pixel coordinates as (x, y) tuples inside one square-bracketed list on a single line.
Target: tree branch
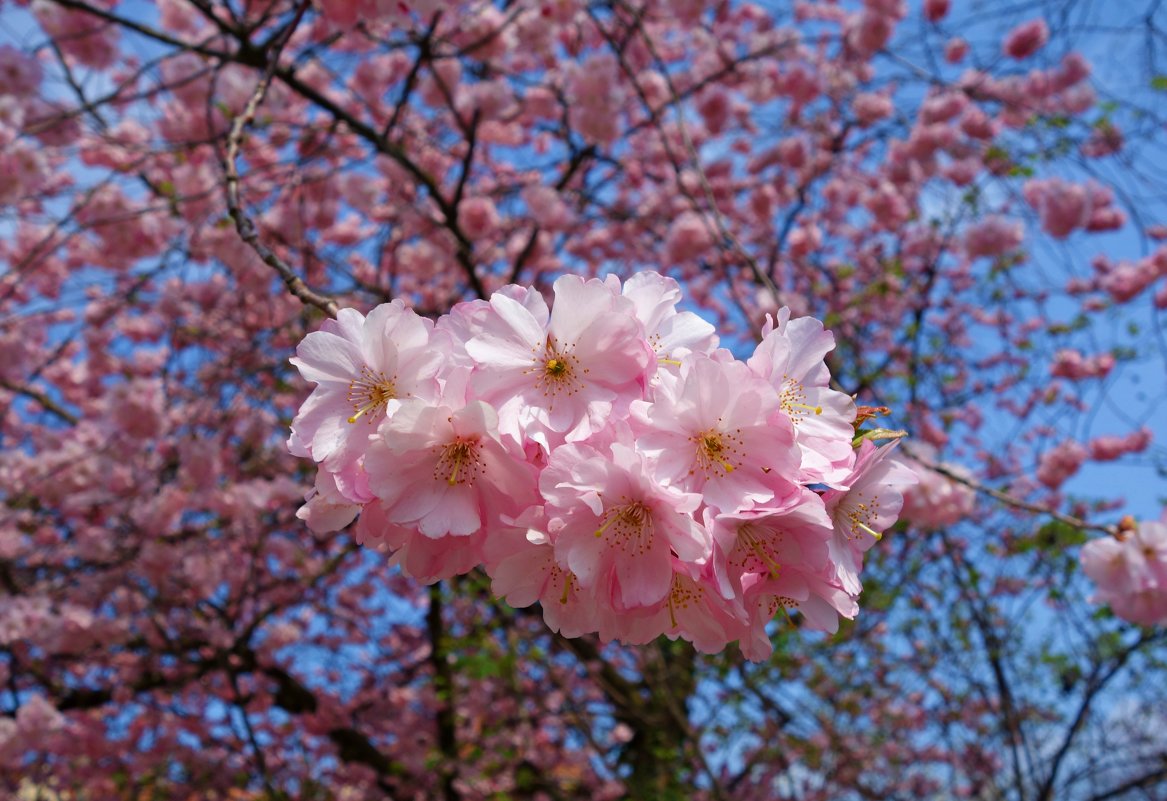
[(444, 690), (243, 224), (43, 400), (1007, 499)]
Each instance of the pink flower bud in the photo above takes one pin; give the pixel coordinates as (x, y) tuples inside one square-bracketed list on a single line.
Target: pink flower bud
[(1026, 39), (478, 217), (935, 10)]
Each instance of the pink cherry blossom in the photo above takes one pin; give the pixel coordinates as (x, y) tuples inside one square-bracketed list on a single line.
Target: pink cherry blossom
[(936, 10), (692, 610), (547, 207), (867, 506), (426, 559), (790, 358), (870, 108), (595, 94), (1077, 367), (1131, 572), (869, 31), (1110, 447), (1127, 280), (718, 430), (672, 334), (531, 573), (937, 501), (19, 73), (478, 216), (688, 238), (1062, 206), (173, 627), (1061, 462), (559, 370), (363, 368), (326, 508), (820, 602), (619, 526), (446, 470), (995, 236), (791, 535), (84, 38), (1026, 39), (37, 719), (955, 50)]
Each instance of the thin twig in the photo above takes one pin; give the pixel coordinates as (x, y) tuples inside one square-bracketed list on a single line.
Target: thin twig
[(1010, 500), (735, 245), (253, 740), (252, 56), (45, 402), (243, 224)]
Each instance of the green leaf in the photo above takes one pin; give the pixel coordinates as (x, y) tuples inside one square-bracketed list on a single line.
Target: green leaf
[(1056, 534), (994, 152), (1159, 83)]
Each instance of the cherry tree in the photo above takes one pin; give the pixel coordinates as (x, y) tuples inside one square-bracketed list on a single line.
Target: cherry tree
[(225, 224)]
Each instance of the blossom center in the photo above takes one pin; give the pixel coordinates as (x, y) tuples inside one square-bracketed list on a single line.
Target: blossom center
[(459, 462), (682, 596), (629, 527), (861, 513), (568, 579), (753, 552), (772, 604), (557, 371), (717, 452), (369, 392), (793, 401)]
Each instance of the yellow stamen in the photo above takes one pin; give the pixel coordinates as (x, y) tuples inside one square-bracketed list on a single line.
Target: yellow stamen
[(859, 511), (747, 535), (457, 454), (607, 524), (815, 409), (711, 444), (670, 361), (634, 514), (461, 459), (776, 602), (557, 372), (369, 393), (366, 408)]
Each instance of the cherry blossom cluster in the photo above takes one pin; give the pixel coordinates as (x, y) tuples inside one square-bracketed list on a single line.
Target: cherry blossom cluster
[(1130, 570), (23, 163), (603, 457)]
